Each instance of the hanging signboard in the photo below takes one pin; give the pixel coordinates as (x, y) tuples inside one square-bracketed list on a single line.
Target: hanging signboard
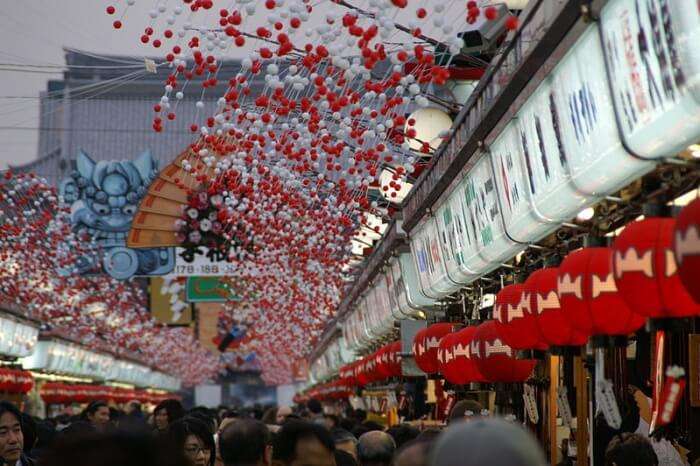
[(584, 114), (554, 197), (409, 273), (451, 224), (202, 262), (164, 304), (209, 289), (651, 50), (427, 254), (514, 180)]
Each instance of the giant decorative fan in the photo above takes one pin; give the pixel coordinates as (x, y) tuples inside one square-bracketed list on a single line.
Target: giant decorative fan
[(157, 222)]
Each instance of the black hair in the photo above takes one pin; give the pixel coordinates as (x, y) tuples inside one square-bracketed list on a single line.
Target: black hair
[(206, 418), (314, 406), (243, 442), (403, 433), (92, 408), (172, 407), (630, 450), (7, 407), (285, 442), (179, 430), (341, 435), (343, 458), (110, 449)]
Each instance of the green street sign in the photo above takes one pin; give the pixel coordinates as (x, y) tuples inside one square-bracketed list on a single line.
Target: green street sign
[(209, 290)]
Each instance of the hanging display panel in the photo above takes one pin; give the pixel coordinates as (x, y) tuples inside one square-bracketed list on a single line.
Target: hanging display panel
[(651, 48)]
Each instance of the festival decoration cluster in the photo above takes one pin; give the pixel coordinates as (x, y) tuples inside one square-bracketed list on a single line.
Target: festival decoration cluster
[(293, 168), (38, 250)]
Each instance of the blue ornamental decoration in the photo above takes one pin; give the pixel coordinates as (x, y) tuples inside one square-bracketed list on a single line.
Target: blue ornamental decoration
[(103, 198)]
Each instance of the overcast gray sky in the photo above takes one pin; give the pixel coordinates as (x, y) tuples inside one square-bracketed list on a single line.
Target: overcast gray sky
[(35, 32)]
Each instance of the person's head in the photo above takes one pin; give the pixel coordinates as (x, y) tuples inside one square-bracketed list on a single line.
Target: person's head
[(167, 411), (194, 438), (465, 410), (486, 441), (245, 442), (412, 453), (97, 413), (630, 450), (11, 437), (111, 448), (270, 416), (133, 408), (345, 441), (300, 443), (314, 407), (281, 414), (343, 458), (403, 433), (330, 421), (375, 448)]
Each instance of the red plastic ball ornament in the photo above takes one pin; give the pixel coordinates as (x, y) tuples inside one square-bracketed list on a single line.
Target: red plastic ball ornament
[(589, 297), (516, 320), (645, 270), (494, 359), (425, 346), (544, 301), (686, 246)]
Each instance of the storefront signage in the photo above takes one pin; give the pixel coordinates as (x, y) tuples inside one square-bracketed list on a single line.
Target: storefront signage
[(651, 50)]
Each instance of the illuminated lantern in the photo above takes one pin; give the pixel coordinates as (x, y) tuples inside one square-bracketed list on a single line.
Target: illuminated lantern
[(494, 359), (686, 245), (516, 320), (544, 301), (425, 346), (645, 270), (588, 294)]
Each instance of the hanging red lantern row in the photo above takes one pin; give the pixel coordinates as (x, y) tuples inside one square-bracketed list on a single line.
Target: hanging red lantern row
[(495, 360), (60, 393), (516, 319), (15, 381), (589, 297), (686, 246), (645, 270), (541, 286), (425, 346), (388, 360)]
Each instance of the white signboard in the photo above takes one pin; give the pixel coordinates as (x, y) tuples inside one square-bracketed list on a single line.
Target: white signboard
[(554, 197), (585, 117), (514, 181), (203, 262), (651, 47)]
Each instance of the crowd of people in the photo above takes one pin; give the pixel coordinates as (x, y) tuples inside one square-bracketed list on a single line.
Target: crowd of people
[(303, 436)]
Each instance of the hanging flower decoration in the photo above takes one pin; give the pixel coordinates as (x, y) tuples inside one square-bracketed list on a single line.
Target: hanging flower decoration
[(38, 253), (296, 143)]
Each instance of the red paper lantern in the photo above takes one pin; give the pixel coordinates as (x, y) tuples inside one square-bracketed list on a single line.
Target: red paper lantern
[(381, 358), (394, 359), (425, 346), (446, 357), (645, 271), (459, 367), (516, 320), (588, 295), (686, 245), (494, 359), (544, 301)]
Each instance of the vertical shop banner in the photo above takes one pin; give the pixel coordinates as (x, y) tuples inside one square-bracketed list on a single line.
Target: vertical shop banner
[(652, 54), (657, 376)]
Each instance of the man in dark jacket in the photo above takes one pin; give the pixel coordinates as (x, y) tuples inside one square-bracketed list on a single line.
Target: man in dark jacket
[(11, 437)]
